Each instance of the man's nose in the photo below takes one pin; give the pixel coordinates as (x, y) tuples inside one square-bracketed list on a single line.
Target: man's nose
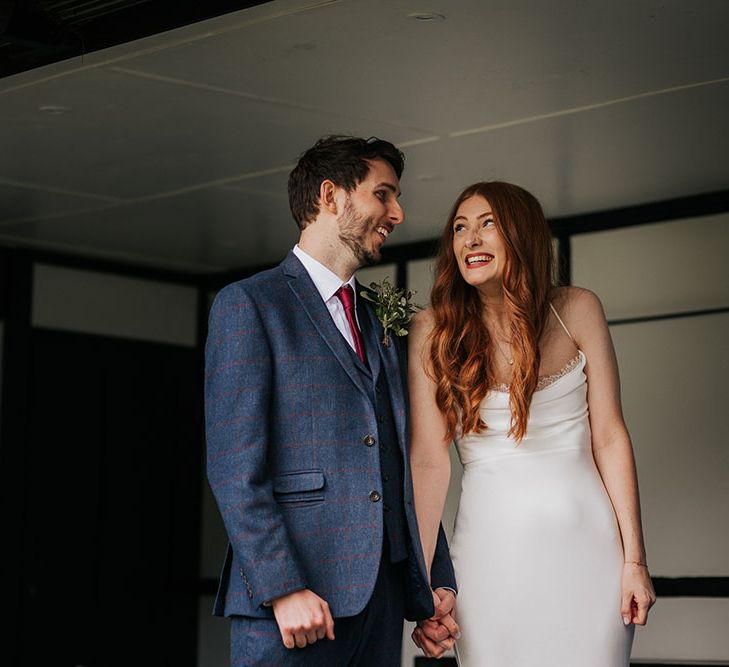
[(396, 213)]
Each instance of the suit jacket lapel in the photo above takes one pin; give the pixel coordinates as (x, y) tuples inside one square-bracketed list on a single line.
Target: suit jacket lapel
[(390, 360), (303, 287)]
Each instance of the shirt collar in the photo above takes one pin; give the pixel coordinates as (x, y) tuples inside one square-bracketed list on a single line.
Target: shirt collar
[(325, 280)]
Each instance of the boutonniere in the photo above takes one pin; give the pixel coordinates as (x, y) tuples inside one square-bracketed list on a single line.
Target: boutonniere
[(392, 307)]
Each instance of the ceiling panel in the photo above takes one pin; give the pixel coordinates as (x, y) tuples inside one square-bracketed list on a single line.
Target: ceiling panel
[(132, 137), (199, 231), (620, 155), (175, 150), (485, 63), (20, 201)]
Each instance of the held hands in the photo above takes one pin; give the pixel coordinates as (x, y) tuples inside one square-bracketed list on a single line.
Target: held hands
[(434, 636), (638, 595), (303, 618)]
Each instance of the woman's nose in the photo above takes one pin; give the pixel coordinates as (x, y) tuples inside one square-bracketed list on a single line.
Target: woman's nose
[(472, 240)]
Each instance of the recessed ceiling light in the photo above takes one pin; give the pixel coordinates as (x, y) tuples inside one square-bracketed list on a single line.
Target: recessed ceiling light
[(426, 16), (53, 109)]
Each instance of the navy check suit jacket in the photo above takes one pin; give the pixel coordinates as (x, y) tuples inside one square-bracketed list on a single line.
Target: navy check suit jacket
[(287, 425)]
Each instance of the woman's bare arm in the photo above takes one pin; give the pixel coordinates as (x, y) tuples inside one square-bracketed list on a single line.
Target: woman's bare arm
[(429, 458), (611, 446)]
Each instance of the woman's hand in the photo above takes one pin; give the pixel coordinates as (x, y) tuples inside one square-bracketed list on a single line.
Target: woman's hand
[(638, 594), (434, 636)]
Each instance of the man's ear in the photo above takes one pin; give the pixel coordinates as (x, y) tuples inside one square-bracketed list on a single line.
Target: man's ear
[(328, 196)]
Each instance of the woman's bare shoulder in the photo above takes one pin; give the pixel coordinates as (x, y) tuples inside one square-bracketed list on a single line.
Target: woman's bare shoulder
[(420, 327), (423, 321), (580, 310), (573, 301)]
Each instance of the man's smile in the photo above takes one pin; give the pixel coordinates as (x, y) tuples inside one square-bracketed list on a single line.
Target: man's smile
[(383, 231)]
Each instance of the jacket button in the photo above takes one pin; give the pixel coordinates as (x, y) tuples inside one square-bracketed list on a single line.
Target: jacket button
[(375, 496), (369, 440)]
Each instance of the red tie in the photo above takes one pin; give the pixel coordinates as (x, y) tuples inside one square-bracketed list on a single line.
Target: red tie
[(346, 295)]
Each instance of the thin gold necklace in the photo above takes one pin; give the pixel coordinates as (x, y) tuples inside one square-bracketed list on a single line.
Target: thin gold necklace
[(509, 360)]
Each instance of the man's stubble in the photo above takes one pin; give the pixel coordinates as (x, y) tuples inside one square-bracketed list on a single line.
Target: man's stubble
[(353, 232)]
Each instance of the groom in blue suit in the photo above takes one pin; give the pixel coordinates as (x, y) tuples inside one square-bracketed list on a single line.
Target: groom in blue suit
[(307, 431)]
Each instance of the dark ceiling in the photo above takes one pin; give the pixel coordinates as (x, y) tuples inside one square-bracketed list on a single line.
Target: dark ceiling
[(39, 32)]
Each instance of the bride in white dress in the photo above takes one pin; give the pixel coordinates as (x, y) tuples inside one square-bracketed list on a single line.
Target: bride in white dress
[(548, 546)]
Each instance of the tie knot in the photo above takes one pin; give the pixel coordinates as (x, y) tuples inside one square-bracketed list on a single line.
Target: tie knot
[(346, 295)]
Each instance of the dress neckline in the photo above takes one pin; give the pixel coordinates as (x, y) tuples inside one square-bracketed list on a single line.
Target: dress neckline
[(546, 381)]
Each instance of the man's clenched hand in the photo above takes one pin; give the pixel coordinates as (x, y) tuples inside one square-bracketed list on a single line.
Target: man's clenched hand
[(303, 618)]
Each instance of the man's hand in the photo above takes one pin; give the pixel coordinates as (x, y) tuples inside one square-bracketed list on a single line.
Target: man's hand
[(436, 635), (303, 618)]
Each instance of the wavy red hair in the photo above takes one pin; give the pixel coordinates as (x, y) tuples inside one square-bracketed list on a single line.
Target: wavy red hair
[(460, 353)]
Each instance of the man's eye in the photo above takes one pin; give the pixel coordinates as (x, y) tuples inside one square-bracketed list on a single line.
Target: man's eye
[(381, 195)]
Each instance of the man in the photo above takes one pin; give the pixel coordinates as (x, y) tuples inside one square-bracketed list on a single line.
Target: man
[(306, 417)]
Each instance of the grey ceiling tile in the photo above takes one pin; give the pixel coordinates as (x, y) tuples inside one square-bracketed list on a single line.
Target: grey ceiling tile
[(189, 135)]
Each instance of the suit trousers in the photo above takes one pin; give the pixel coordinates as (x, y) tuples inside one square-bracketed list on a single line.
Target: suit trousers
[(372, 638)]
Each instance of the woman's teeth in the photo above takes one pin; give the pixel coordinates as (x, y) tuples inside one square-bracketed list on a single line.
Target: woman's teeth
[(479, 259)]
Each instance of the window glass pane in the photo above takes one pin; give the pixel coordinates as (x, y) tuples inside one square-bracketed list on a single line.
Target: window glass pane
[(673, 378), (420, 279), (658, 268)]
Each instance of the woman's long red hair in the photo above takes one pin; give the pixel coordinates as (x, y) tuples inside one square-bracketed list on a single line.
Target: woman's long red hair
[(460, 354)]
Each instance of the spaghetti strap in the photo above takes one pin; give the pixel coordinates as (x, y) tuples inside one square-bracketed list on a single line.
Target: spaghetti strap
[(559, 319)]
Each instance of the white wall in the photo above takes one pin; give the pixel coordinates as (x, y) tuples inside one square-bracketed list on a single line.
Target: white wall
[(674, 387), (112, 305), (377, 273)]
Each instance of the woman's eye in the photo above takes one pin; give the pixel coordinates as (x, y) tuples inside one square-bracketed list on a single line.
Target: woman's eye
[(458, 228), (488, 223)]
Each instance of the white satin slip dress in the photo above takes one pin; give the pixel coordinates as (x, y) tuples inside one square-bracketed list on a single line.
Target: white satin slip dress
[(536, 548)]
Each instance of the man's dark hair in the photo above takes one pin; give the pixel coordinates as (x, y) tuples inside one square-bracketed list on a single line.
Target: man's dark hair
[(342, 160)]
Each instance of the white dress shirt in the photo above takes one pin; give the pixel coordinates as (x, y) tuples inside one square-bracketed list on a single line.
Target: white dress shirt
[(327, 283)]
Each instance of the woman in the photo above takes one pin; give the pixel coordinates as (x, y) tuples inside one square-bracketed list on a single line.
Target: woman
[(548, 545)]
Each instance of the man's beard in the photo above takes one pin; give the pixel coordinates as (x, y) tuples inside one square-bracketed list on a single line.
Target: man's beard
[(354, 230)]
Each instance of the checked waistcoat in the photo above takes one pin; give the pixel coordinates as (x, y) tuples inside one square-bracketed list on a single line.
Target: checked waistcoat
[(391, 462)]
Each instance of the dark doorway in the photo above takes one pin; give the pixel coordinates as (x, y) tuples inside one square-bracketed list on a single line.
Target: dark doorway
[(111, 502)]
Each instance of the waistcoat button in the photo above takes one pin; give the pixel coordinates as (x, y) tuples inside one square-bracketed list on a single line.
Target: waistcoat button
[(375, 496)]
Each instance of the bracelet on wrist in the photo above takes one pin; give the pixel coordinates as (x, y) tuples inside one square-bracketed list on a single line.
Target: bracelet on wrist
[(635, 562)]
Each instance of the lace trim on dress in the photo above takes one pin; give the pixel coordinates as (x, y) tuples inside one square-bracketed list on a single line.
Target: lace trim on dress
[(545, 380)]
